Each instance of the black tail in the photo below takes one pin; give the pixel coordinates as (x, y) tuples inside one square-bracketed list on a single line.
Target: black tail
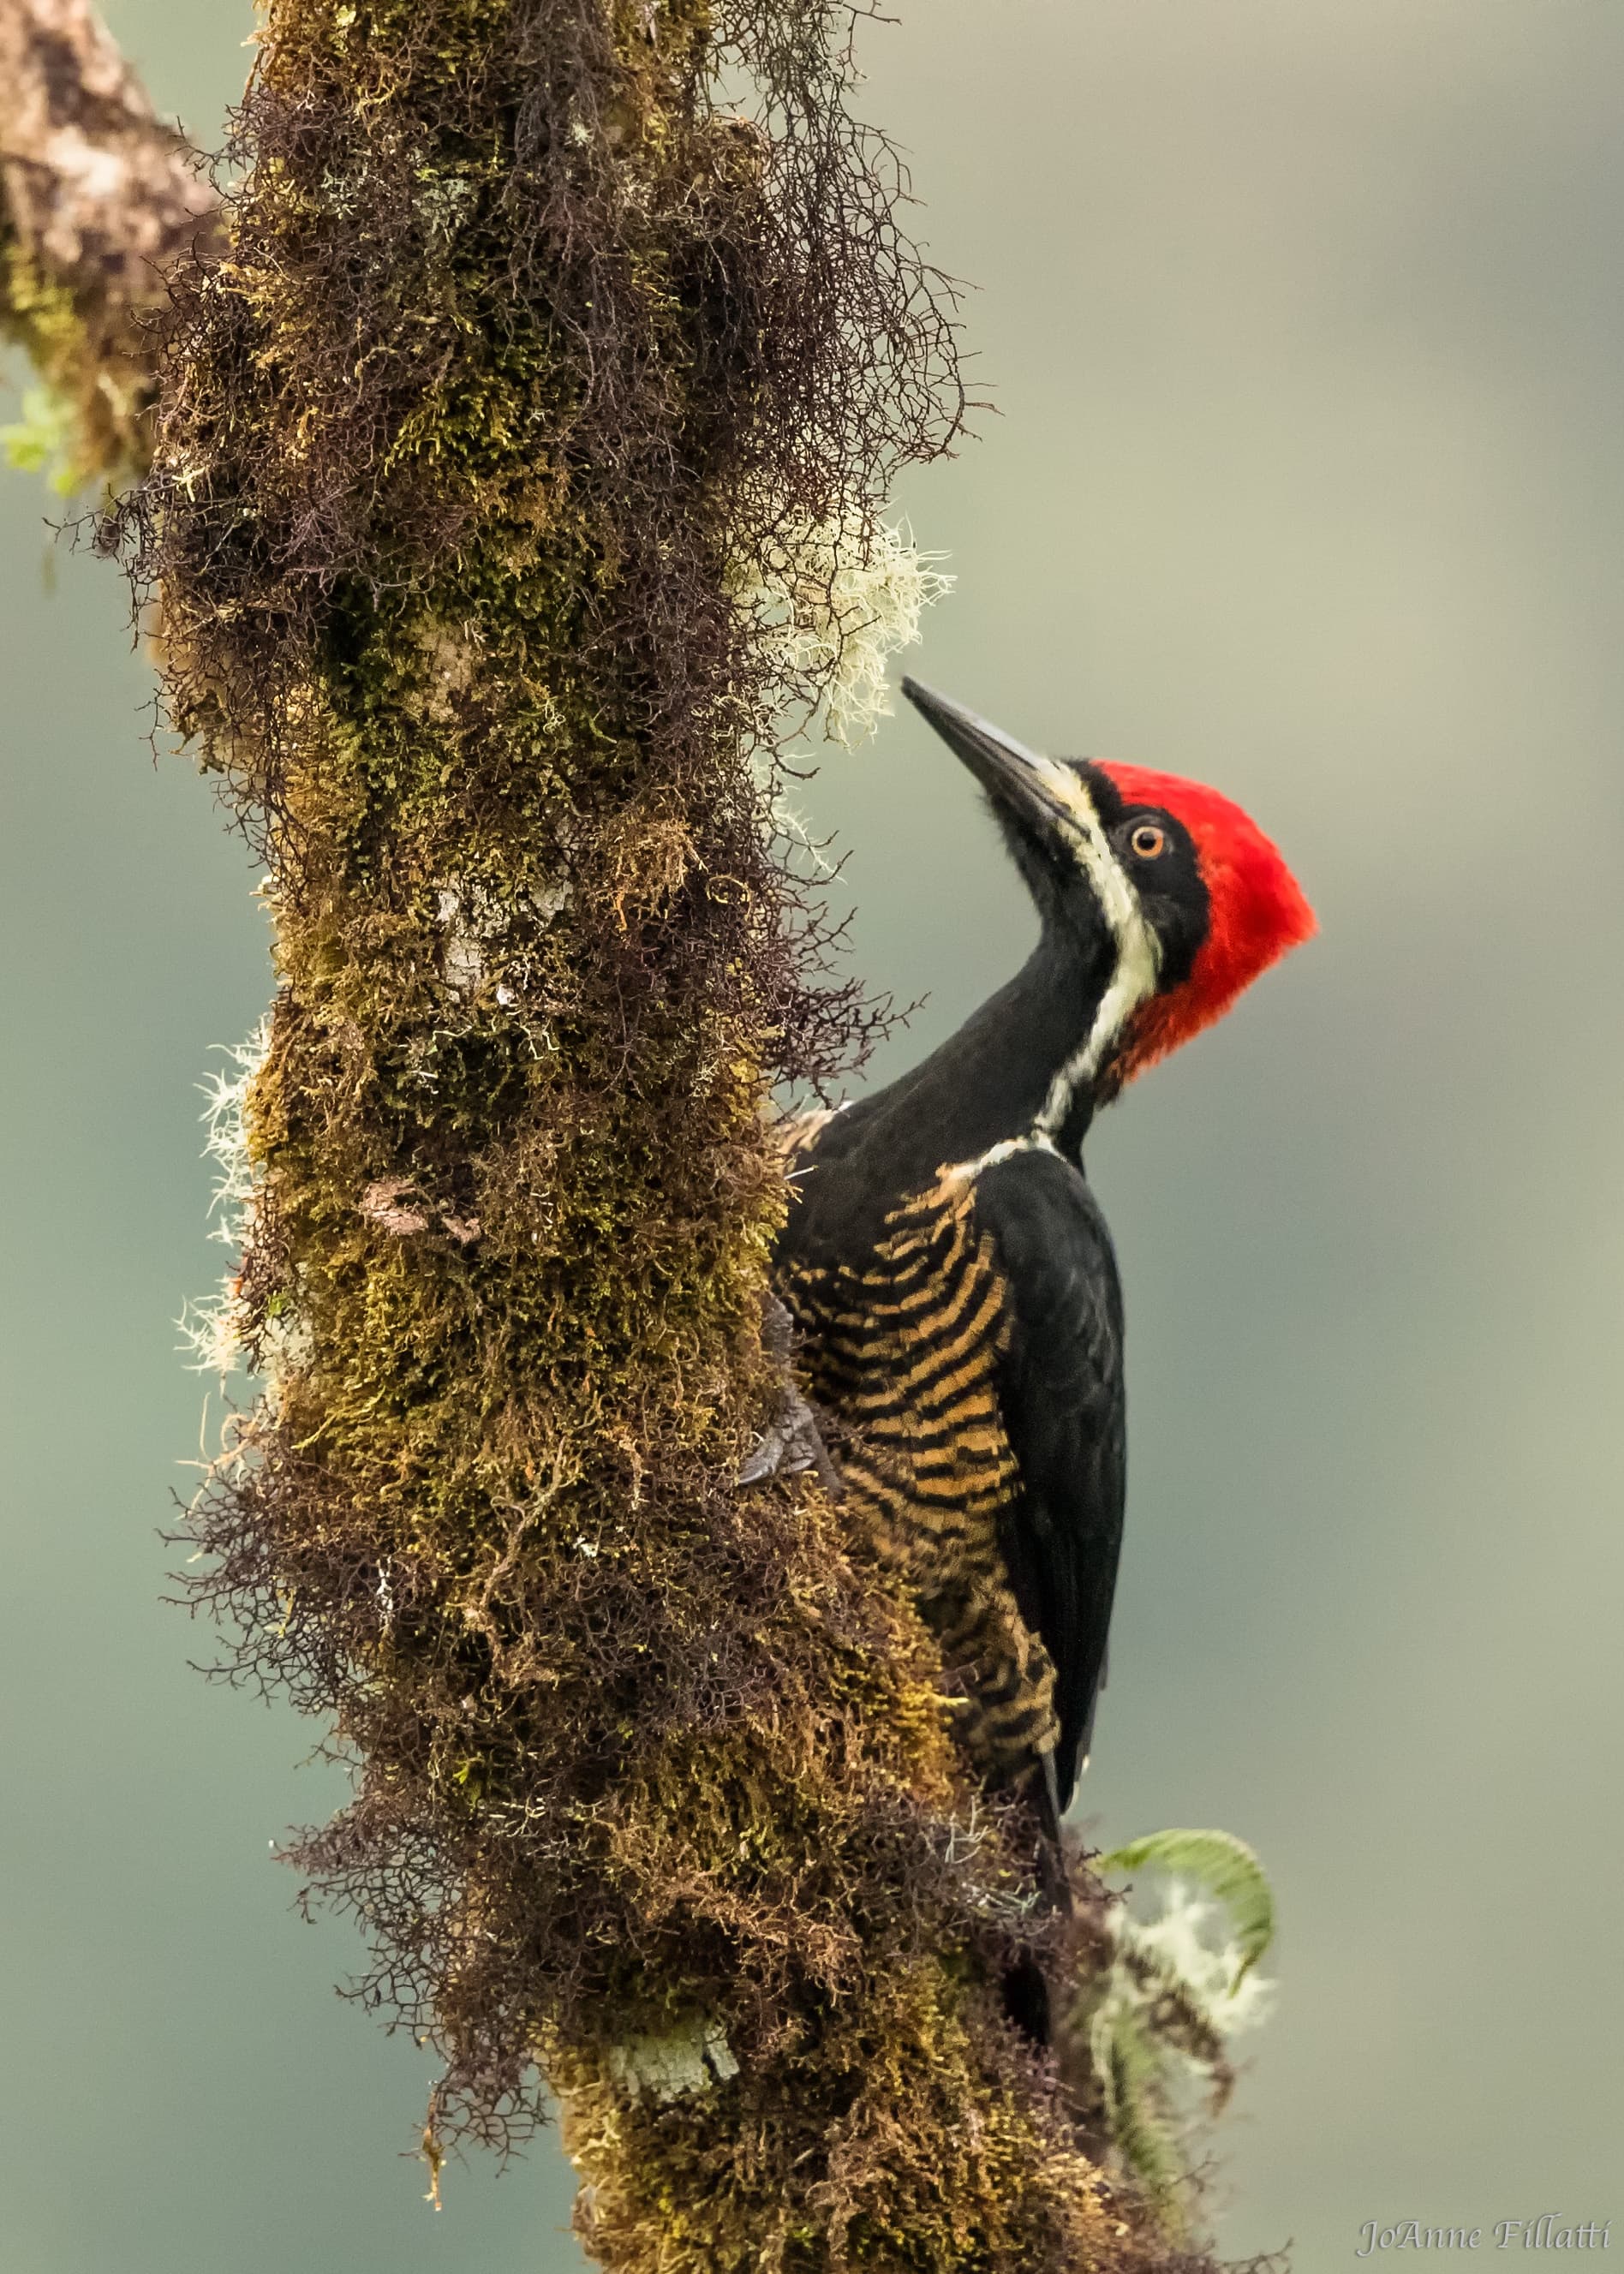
[(1025, 1998), (1026, 1986)]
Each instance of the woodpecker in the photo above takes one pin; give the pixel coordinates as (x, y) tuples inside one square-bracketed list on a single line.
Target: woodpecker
[(946, 1268)]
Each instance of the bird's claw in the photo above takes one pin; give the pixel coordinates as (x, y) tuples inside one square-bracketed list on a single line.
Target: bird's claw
[(793, 1443)]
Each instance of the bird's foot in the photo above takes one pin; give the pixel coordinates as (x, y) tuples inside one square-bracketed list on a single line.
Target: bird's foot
[(793, 1443)]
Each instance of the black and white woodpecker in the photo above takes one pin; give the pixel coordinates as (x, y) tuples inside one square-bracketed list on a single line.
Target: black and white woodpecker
[(947, 1270)]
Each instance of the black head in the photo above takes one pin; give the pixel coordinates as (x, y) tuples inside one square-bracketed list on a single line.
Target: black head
[(1163, 885), (1101, 868)]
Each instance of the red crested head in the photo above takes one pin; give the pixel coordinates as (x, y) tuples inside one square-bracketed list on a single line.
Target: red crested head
[(1171, 898), (1256, 911)]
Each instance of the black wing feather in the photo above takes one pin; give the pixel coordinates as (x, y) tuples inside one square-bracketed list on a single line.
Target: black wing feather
[(1060, 1390)]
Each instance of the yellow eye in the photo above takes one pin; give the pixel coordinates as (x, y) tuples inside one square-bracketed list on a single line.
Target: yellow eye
[(1147, 840)]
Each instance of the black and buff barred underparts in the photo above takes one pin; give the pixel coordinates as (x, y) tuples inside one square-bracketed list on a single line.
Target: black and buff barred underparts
[(904, 1352)]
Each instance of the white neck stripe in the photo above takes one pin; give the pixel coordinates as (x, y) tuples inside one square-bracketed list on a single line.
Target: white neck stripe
[(1139, 951)]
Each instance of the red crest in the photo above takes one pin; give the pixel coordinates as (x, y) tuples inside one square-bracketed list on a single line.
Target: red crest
[(1257, 912)]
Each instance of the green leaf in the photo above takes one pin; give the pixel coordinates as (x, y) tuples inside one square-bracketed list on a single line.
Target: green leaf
[(1225, 1867), (1131, 2074)]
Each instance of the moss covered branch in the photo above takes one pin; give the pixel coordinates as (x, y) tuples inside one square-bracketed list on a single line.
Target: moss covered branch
[(524, 437), (98, 199)]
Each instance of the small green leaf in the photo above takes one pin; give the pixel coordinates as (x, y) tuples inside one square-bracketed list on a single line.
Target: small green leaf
[(1225, 1867)]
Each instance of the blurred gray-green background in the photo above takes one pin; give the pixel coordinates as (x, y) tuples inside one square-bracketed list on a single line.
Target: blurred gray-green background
[(1305, 318)]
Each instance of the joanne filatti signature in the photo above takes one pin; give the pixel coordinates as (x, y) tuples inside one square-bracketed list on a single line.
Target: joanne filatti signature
[(1549, 2231)]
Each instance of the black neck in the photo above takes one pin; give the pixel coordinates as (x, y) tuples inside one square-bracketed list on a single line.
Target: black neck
[(990, 1080)]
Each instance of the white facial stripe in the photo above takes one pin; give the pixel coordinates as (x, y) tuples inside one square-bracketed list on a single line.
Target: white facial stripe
[(1072, 817), (1139, 953), (1089, 842)]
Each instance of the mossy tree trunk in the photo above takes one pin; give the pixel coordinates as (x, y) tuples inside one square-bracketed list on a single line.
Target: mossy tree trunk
[(539, 401), (98, 199)]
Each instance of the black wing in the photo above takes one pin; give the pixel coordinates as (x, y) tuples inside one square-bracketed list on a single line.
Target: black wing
[(1060, 1389)]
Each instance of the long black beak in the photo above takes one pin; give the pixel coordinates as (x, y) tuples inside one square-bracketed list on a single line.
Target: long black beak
[(1015, 778)]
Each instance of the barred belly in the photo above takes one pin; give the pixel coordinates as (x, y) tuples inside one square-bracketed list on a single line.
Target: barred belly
[(904, 1352)]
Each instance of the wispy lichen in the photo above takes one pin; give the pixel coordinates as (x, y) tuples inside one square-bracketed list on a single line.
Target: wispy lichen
[(837, 601), (1189, 1941), (211, 1326)]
